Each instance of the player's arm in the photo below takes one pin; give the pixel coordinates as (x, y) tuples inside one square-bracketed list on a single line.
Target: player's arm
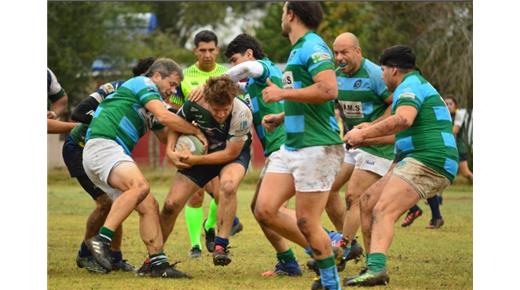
[(85, 109), (175, 157), (60, 106), (390, 139), (402, 119), (271, 121), (388, 111), (246, 69), (174, 122), (230, 153), (59, 127), (325, 88)]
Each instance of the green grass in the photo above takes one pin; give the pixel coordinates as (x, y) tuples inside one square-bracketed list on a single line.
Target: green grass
[(418, 258)]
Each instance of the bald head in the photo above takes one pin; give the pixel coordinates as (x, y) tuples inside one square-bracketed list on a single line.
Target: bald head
[(347, 53), (347, 39)]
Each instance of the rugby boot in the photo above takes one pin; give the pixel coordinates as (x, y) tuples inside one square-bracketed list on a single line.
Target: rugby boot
[(352, 252), (220, 256), (237, 227), (90, 264), (435, 224), (410, 217), (165, 270), (285, 269), (123, 266), (195, 252), (145, 268), (369, 278), (210, 238), (100, 249)]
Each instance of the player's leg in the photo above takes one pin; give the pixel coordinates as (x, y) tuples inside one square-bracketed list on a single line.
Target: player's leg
[(336, 208), (230, 177), (210, 223), (436, 221), (275, 190), (194, 214), (151, 234), (287, 264), (181, 189)]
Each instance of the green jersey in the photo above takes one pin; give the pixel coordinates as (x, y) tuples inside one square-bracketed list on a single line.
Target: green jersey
[(308, 124), (271, 141), (430, 138), (78, 134), (362, 98), (121, 116), (194, 77)]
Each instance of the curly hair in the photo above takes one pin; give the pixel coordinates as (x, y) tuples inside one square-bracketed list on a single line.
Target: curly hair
[(220, 90), (243, 42)]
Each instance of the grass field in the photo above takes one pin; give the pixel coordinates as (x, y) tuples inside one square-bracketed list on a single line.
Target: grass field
[(418, 259)]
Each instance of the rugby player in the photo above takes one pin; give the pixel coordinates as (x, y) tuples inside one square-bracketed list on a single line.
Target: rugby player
[(226, 122), (206, 52), (426, 153), (312, 153), (72, 155), (117, 124)]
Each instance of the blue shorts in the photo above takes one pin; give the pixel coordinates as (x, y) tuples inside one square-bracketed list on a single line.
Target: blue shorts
[(73, 157), (202, 174)]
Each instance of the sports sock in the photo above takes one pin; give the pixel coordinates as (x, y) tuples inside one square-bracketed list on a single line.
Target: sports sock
[(285, 257), (194, 217), (440, 199), (211, 221), (83, 250), (116, 256), (221, 242), (106, 233), (376, 262), (157, 259), (434, 206), (329, 273)]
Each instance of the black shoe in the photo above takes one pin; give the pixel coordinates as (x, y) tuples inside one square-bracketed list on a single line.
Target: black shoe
[(220, 256), (210, 238), (145, 269), (123, 265), (235, 229), (195, 252), (354, 252), (313, 266), (369, 278), (100, 249), (316, 284), (90, 264), (166, 270)]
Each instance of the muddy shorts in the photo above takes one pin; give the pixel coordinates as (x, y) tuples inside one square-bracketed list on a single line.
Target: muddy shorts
[(426, 181), (313, 168)]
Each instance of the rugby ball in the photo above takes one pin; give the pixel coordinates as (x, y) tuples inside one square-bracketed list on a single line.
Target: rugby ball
[(191, 143)]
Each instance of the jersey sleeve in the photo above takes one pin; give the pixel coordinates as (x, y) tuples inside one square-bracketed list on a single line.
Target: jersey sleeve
[(145, 90), (265, 73), (54, 89), (317, 58), (241, 121), (409, 96)]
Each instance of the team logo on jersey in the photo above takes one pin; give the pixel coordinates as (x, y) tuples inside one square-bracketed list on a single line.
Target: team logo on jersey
[(357, 84), (320, 56), (288, 80)]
